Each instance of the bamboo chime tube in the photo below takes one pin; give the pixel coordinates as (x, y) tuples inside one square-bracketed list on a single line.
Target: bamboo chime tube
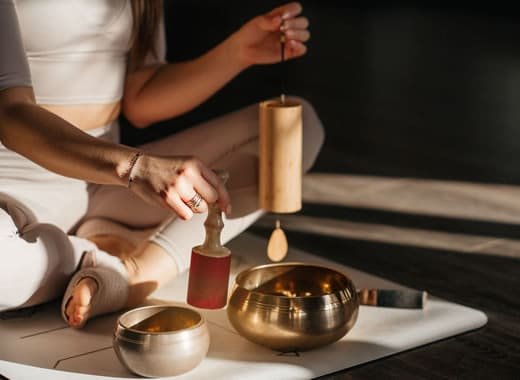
[(280, 172)]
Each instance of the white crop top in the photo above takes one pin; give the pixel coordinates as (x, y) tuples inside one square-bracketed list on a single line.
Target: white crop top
[(69, 51)]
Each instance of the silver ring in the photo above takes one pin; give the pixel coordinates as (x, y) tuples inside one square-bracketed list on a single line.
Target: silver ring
[(194, 202)]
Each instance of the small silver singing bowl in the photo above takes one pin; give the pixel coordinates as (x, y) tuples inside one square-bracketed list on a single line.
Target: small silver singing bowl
[(155, 341), (292, 306)]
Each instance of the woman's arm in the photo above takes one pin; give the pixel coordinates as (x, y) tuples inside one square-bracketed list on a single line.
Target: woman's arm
[(57, 145), (62, 148), (165, 91), (161, 92)]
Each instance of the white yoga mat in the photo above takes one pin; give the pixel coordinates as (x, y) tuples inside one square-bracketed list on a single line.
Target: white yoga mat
[(41, 346)]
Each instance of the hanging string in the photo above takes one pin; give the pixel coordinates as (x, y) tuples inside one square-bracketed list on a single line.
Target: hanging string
[(282, 67)]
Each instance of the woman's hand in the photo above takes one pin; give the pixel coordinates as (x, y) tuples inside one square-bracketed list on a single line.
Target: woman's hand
[(258, 41), (173, 181)]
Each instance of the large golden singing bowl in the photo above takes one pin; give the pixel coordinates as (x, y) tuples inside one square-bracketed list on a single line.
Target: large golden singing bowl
[(156, 341), (292, 306)]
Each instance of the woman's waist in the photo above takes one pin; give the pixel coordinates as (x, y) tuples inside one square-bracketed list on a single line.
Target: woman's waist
[(87, 117)]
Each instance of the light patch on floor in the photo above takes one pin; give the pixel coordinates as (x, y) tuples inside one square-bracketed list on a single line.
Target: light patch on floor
[(396, 235), (448, 199), (483, 202)]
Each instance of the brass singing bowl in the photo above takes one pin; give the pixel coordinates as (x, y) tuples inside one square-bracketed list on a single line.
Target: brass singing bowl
[(292, 306), (155, 341)]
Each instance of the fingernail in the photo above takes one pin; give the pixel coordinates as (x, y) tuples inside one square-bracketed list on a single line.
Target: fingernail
[(285, 16)]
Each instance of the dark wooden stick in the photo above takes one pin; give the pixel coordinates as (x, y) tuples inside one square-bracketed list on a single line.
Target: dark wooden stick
[(399, 298)]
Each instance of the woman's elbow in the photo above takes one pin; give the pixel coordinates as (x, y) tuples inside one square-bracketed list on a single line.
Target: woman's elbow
[(135, 115), (13, 103), (4, 136)]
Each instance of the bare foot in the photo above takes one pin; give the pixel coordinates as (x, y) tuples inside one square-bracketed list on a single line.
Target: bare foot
[(147, 269), (78, 307)]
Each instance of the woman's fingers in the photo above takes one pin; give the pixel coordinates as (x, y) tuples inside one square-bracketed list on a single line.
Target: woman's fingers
[(298, 35), (222, 194), (294, 28), (189, 193), (287, 11), (274, 19), (195, 178), (173, 200), (294, 49), (295, 23), (203, 187)]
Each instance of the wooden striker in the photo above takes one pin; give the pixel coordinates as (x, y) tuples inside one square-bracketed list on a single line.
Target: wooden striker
[(210, 262), (280, 172)]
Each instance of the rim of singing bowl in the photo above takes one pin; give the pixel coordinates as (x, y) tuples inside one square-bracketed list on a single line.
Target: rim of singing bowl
[(346, 282), (126, 328)]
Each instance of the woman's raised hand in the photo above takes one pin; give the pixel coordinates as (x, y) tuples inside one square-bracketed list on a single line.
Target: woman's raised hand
[(258, 41), (173, 181)]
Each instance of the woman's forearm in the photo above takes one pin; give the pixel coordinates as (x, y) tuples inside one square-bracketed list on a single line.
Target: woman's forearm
[(154, 94), (60, 147)]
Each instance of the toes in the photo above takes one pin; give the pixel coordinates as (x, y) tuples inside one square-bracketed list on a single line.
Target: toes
[(78, 316), (77, 320), (76, 313)]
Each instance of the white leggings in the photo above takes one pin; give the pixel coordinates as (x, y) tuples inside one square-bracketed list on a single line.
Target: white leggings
[(39, 210)]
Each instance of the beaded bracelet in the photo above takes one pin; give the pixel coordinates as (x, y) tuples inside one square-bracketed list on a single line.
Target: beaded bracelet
[(131, 165)]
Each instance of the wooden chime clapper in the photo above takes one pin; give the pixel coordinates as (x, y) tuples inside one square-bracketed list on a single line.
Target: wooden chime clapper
[(280, 173)]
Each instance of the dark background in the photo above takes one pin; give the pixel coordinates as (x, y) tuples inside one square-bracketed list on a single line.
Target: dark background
[(403, 88)]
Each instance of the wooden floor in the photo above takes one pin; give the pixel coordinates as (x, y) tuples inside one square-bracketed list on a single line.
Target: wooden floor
[(459, 241)]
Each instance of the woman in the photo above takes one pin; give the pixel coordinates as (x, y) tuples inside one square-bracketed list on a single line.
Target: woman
[(73, 200)]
